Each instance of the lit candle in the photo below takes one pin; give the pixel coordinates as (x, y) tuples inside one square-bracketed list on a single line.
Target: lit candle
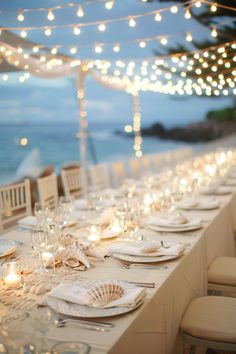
[(94, 235), (11, 275), (46, 256), (12, 280), (116, 227)]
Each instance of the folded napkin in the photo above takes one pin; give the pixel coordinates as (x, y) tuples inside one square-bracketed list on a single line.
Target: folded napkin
[(76, 293), (171, 221), (198, 203), (146, 249), (105, 218), (217, 190), (81, 204), (28, 222)]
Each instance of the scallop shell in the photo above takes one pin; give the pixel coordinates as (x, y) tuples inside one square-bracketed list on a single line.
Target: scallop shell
[(102, 294)]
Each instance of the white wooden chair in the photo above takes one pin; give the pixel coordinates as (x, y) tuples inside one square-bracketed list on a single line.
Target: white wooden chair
[(118, 173), (146, 163), (210, 322), (48, 191), (73, 181), (157, 162), (100, 176), (15, 203), (135, 167), (182, 154)]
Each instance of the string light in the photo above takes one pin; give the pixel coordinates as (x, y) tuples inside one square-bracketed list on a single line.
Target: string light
[(187, 14), (214, 32), (198, 4), (174, 9), (164, 41), (109, 4), (213, 8), (189, 37), (132, 22), (80, 11), (102, 27), (142, 44), (116, 48), (73, 50), (98, 48), (158, 17), (48, 32), (54, 51), (35, 49), (21, 17), (50, 16), (76, 30), (23, 34)]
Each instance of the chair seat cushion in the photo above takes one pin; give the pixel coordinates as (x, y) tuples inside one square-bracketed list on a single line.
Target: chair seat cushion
[(212, 318), (223, 271)]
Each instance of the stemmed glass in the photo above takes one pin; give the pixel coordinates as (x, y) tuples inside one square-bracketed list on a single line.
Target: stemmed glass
[(39, 213), (39, 244)]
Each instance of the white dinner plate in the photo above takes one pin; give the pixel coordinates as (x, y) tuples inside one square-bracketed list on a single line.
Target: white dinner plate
[(201, 205), (107, 234), (173, 229), (71, 309), (7, 247), (218, 191), (141, 259)]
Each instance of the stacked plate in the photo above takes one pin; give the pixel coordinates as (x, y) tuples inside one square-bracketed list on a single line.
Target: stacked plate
[(173, 223), (96, 298), (198, 203), (145, 251), (7, 247), (215, 190)]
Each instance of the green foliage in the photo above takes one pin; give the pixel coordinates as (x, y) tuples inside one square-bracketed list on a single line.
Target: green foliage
[(222, 115)]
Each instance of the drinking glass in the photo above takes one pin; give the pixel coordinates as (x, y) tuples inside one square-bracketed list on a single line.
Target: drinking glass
[(42, 318), (71, 348), (39, 245), (39, 213)]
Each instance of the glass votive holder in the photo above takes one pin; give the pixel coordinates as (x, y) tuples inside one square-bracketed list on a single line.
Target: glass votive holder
[(94, 234), (12, 275)]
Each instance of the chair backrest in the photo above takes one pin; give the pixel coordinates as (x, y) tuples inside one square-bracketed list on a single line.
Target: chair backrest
[(146, 163), (157, 162), (135, 167), (73, 181), (48, 191), (118, 173), (15, 203), (100, 176)]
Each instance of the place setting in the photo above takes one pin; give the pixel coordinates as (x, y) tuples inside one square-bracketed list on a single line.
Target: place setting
[(198, 203), (173, 222)]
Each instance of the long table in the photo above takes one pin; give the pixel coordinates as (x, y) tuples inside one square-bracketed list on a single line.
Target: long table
[(154, 327)]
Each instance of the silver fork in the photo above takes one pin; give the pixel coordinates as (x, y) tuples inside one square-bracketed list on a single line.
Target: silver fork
[(144, 266), (99, 328)]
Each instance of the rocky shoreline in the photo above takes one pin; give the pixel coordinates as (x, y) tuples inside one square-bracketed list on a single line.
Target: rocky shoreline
[(193, 133)]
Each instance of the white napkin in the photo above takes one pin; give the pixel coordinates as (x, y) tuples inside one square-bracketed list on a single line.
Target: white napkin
[(28, 222), (139, 249), (215, 190), (171, 221), (198, 203), (105, 217), (75, 293), (81, 204)]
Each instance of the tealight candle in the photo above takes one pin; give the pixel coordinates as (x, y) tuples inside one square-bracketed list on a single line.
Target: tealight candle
[(94, 234), (11, 275), (116, 227)]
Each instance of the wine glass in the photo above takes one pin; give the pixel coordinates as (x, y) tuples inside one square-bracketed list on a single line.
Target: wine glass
[(39, 245), (39, 213)]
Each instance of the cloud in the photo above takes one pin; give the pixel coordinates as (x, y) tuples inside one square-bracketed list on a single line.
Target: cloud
[(101, 107)]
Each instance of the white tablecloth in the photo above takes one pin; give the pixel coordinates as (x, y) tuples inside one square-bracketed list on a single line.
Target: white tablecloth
[(154, 327)]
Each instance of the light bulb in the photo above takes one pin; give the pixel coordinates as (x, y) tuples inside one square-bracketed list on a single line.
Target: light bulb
[(187, 14), (76, 30), (158, 17), (189, 37), (73, 50), (163, 41), (35, 49), (214, 32), (142, 44), (213, 8), (174, 9), (198, 3), (50, 15), (102, 27), (23, 34), (5, 77), (80, 12), (132, 22), (21, 17), (98, 48), (116, 48), (109, 4), (48, 32), (54, 51)]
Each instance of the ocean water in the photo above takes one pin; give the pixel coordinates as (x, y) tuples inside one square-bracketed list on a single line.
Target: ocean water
[(58, 144)]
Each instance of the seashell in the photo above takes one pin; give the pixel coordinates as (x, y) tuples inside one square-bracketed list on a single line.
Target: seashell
[(41, 289), (69, 240), (72, 262), (102, 294)]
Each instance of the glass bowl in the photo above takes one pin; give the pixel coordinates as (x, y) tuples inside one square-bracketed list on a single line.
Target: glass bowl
[(71, 348)]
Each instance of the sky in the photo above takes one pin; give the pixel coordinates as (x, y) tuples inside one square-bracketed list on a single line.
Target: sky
[(43, 100)]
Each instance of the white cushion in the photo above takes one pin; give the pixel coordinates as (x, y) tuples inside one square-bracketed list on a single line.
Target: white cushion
[(223, 271), (211, 318)]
